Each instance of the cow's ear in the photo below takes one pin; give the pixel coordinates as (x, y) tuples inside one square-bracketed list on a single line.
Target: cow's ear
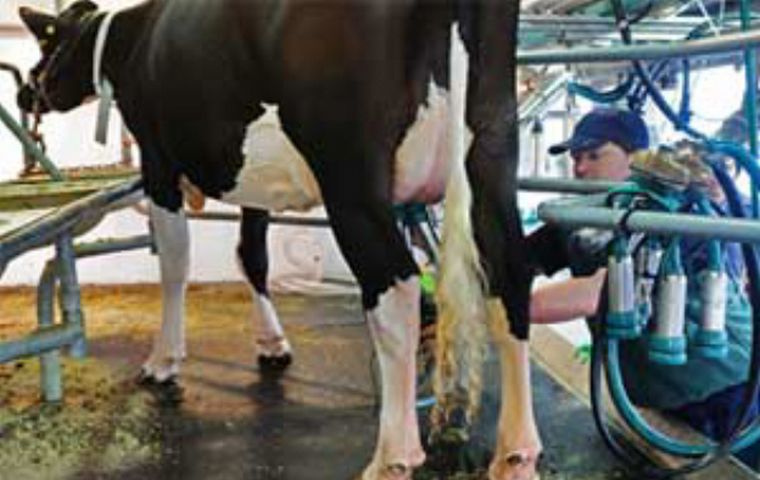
[(81, 7), (40, 24)]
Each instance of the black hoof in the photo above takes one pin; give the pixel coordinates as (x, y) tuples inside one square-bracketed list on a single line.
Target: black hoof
[(167, 392), (145, 379), (274, 363)]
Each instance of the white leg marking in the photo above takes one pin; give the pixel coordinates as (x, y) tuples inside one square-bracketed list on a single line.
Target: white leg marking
[(173, 242), (394, 326), (267, 329), (268, 334), (518, 444)]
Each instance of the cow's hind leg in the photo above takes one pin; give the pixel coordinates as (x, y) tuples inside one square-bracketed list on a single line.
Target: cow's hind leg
[(375, 250), (351, 157), (490, 33), (394, 328), (172, 238), (272, 348), (518, 445), (498, 232), (499, 237)]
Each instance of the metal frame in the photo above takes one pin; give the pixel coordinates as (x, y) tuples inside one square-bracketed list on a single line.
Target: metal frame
[(60, 228), (590, 211), (708, 46)]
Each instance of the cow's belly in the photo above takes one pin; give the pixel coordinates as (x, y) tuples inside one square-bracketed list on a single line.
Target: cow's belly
[(276, 177)]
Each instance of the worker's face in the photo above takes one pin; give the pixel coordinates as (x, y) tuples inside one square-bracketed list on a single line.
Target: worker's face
[(607, 162)]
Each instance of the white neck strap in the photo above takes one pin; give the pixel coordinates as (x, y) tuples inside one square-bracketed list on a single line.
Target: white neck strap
[(103, 87), (100, 47)]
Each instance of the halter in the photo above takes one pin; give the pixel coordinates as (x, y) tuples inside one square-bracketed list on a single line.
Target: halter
[(101, 85)]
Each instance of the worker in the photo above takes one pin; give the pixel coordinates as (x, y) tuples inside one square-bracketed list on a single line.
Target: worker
[(705, 393)]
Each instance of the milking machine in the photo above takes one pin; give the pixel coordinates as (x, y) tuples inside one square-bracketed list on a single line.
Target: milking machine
[(676, 180), (651, 287)]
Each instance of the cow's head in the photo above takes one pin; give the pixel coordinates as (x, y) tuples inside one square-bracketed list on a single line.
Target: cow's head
[(62, 79)]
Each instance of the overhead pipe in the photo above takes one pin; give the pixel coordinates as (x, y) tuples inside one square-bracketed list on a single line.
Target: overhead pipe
[(595, 25), (704, 46)]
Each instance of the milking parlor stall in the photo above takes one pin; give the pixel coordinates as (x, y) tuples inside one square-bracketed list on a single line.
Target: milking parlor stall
[(149, 330)]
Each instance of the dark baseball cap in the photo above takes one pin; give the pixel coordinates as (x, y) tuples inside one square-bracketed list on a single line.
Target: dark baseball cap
[(603, 125)]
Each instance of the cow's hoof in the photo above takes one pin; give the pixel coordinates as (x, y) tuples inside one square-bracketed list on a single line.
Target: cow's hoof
[(145, 378), (274, 363), (519, 465), (167, 392), (395, 471)]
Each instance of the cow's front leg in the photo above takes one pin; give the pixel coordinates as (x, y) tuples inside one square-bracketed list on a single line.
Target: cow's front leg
[(172, 238), (518, 445), (272, 347), (394, 326)]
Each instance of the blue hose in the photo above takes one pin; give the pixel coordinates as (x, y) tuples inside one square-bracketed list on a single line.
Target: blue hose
[(596, 96)]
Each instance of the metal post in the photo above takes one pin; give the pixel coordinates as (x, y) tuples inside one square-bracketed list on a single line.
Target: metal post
[(750, 71), (69, 295), (537, 139), (50, 362)]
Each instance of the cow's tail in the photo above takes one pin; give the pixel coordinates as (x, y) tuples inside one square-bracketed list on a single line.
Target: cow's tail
[(461, 334)]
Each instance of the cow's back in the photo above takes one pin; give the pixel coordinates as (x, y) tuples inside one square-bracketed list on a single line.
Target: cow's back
[(331, 67)]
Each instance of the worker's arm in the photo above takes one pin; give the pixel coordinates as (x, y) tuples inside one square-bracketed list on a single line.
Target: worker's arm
[(567, 299)]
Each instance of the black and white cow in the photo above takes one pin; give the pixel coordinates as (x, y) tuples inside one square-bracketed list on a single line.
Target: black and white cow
[(351, 84)]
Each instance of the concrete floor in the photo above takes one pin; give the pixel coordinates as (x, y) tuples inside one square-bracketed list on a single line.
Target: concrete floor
[(318, 421)]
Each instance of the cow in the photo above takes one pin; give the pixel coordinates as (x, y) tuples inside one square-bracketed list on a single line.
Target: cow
[(349, 81)]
